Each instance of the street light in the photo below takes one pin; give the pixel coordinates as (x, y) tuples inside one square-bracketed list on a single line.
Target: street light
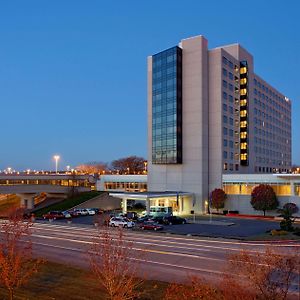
[(56, 158)]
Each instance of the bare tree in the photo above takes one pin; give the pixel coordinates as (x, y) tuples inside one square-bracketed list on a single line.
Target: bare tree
[(130, 165), (269, 273), (16, 263), (92, 167), (114, 265)]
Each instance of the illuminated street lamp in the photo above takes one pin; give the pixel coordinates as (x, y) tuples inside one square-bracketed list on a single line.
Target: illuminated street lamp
[(56, 158)]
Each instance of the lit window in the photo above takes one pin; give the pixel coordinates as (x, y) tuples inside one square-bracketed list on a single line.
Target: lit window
[(243, 113), (243, 135), (244, 156), (243, 146), (243, 102), (243, 92), (243, 70), (243, 81), (243, 124)]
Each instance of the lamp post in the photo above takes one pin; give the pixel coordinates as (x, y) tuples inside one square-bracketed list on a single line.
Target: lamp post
[(56, 158)]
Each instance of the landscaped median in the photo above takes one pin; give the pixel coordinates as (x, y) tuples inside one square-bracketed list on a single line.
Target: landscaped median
[(68, 203)]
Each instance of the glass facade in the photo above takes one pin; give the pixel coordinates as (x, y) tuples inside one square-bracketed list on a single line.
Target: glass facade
[(167, 107)]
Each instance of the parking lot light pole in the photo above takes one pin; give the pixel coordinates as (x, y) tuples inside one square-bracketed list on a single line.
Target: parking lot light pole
[(56, 158)]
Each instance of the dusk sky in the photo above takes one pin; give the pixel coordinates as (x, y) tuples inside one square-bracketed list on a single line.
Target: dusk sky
[(73, 73)]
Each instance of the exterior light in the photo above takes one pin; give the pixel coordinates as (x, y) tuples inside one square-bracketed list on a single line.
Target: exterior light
[(56, 158)]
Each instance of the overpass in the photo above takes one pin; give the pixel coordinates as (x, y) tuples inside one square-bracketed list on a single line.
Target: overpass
[(28, 186)]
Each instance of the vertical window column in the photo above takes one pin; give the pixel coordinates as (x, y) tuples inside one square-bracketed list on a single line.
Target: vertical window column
[(244, 92)]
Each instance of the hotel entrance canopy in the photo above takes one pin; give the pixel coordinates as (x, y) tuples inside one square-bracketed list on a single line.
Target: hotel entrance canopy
[(147, 196)]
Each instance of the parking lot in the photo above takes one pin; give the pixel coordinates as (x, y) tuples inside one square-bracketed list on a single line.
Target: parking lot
[(220, 226)]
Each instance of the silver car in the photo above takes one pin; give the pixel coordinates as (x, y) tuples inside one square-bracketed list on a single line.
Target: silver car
[(120, 222)]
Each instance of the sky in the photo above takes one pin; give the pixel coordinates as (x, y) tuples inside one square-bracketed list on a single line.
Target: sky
[(73, 73)]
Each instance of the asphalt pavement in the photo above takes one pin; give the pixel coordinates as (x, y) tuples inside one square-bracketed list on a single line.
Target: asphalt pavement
[(237, 228), (165, 257)]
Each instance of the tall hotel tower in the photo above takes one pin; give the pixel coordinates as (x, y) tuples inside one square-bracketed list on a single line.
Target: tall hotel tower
[(209, 114)]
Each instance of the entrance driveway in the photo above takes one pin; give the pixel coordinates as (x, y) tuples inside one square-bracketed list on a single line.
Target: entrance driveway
[(220, 226)]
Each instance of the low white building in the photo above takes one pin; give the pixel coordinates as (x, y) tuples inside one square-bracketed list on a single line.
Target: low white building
[(238, 188)]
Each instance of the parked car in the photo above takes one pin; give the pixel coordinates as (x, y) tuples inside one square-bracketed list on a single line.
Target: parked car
[(97, 211), (90, 211), (148, 225), (73, 213), (82, 211), (67, 215), (144, 219), (54, 215), (159, 220), (132, 215), (174, 220), (120, 222)]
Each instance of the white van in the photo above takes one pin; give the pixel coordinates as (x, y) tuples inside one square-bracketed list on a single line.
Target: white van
[(159, 211)]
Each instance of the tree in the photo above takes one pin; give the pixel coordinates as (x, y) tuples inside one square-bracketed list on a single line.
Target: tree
[(114, 265), (292, 208), (264, 198), (217, 199), (269, 273), (92, 167), (16, 263), (129, 165), (287, 212)]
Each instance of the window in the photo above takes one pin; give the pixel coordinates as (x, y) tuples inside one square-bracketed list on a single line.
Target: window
[(224, 107), (224, 71), (225, 84), (225, 131), (225, 61), (225, 154), (225, 143), (166, 107), (225, 119)]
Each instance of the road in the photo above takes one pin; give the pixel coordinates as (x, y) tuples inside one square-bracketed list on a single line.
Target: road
[(166, 257)]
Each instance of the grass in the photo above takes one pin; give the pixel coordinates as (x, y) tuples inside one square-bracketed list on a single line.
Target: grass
[(68, 203), (58, 281)]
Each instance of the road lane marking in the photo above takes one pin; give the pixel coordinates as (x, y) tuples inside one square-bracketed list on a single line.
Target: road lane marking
[(196, 239), (137, 259), (134, 239), (133, 248)]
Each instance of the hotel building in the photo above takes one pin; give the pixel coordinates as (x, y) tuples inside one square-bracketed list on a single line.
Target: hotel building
[(210, 115)]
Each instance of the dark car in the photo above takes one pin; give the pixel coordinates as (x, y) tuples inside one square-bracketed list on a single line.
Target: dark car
[(54, 215), (174, 220), (143, 219), (151, 226), (159, 220), (132, 215)]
